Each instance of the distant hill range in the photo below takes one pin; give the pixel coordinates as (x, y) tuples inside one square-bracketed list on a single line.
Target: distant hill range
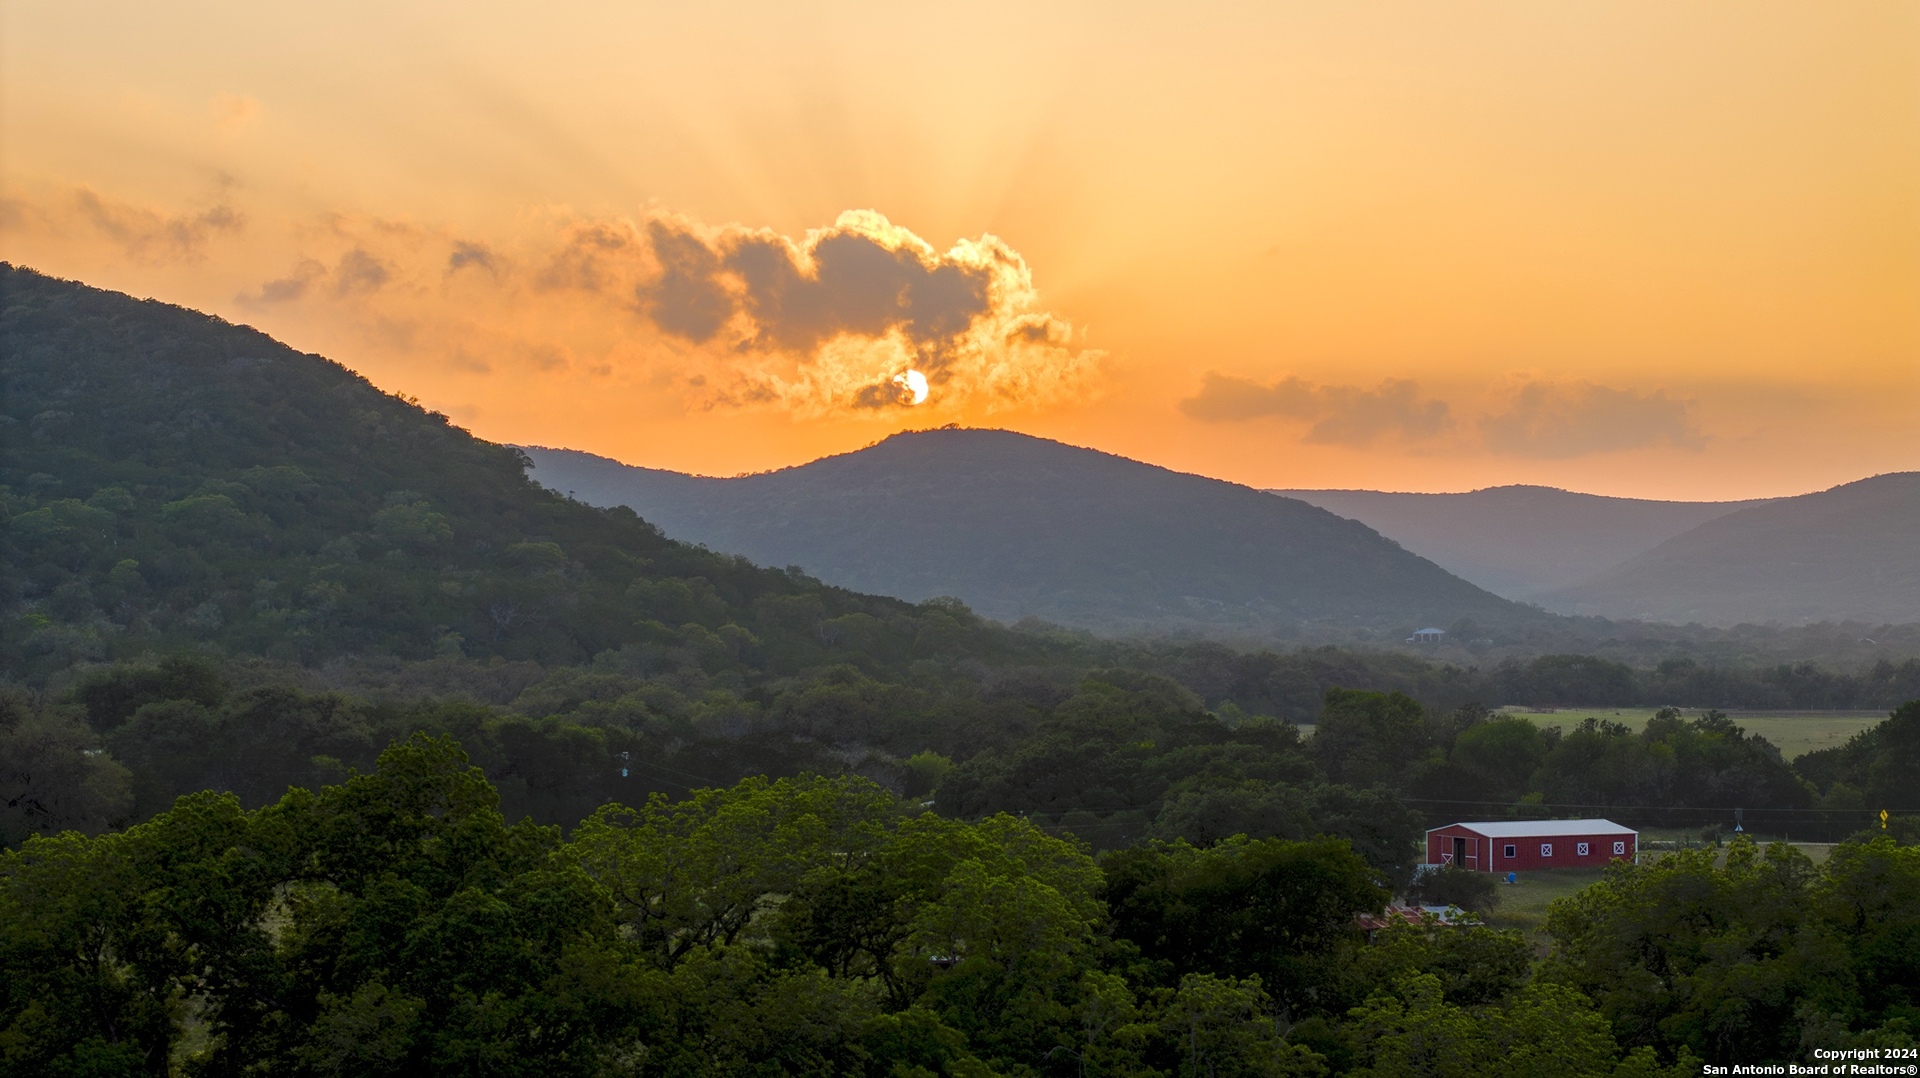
[(1850, 553), (1019, 527), (1847, 554), (1520, 541)]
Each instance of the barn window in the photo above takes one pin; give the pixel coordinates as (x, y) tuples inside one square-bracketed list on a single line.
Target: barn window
[(1619, 849), (1581, 849), (1511, 849), (1546, 849)]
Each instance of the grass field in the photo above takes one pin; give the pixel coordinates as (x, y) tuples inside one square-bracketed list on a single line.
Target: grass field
[(1523, 903), (1793, 732)]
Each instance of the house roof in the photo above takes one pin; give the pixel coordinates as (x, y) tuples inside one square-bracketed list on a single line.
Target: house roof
[(1542, 828), (1413, 915)]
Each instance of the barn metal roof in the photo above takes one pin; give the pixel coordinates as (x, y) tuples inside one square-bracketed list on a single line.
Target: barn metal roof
[(1548, 828)]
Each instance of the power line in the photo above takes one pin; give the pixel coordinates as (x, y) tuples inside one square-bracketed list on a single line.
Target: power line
[(1645, 808)]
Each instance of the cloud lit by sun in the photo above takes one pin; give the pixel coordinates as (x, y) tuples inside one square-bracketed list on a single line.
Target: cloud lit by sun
[(817, 324)]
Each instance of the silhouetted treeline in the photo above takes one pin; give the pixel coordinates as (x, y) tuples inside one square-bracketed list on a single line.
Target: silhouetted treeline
[(1291, 684)]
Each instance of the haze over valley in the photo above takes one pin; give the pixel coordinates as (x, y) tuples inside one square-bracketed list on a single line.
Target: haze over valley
[(1845, 554), (1519, 541)]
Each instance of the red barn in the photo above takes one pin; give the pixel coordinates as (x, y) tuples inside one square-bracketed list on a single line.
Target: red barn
[(1516, 845)]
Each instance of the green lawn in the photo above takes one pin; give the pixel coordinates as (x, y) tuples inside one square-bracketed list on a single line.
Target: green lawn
[(1523, 903), (1793, 732)]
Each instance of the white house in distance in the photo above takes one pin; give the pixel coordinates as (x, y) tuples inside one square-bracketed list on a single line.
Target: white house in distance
[(1426, 636), (1514, 845)]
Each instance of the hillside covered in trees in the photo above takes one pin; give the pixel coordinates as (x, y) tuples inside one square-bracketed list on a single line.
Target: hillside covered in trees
[(171, 479), (1022, 527), (330, 744), (1847, 552), (1519, 541)]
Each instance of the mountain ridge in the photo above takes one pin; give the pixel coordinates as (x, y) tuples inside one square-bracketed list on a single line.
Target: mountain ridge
[(1067, 525), (1520, 540), (1852, 551)]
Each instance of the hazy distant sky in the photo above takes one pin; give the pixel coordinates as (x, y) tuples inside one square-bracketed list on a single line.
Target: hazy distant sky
[(1658, 249)]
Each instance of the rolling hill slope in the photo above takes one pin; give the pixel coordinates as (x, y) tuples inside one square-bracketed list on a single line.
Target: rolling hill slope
[(1849, 553), (1019, 526), (1520, 541), (170, 480)]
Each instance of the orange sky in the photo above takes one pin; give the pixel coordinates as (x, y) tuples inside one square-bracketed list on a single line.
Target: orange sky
[(1635, 248)]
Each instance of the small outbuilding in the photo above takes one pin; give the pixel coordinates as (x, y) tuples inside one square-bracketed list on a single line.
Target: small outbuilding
[(1428, 635), (1526, 845)]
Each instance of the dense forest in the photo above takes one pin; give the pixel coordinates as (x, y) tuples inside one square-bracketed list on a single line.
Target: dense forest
[(1116, 757), (398, 923), (329, 743)]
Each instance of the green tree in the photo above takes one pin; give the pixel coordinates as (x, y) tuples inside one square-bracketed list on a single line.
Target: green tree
[(1870, 894), (1681, 954), (1473, 965), (1502, 754), (1223, 1028), (1451, 885), (1283, 911), (1542, 1031), (53, 774), (1365, 738)]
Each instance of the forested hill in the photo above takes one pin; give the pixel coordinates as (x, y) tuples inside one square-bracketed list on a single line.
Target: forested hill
[(1845, 553), (1018, 526), (1519, 541), (169, 479)]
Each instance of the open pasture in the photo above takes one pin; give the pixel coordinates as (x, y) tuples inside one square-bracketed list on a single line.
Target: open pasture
[(1523, 903), (1793, 732)]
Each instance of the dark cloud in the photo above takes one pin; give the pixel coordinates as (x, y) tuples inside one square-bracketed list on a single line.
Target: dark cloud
[(360, 273), (687, 300), (1040, 329), (878, 396), (1226, 399), (796, 297), (472, 255), (291, 287), (1572, 419), (590, 259), (1339, 415), (1353, 416), (154, 237)]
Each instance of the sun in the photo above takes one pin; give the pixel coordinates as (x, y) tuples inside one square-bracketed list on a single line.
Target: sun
[(912, 385)]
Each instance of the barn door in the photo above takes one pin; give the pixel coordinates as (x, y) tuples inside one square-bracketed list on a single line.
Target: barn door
[(1460, 852)]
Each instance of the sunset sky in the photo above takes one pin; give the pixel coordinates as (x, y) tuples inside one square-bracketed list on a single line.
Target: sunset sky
[(1650, 249)]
